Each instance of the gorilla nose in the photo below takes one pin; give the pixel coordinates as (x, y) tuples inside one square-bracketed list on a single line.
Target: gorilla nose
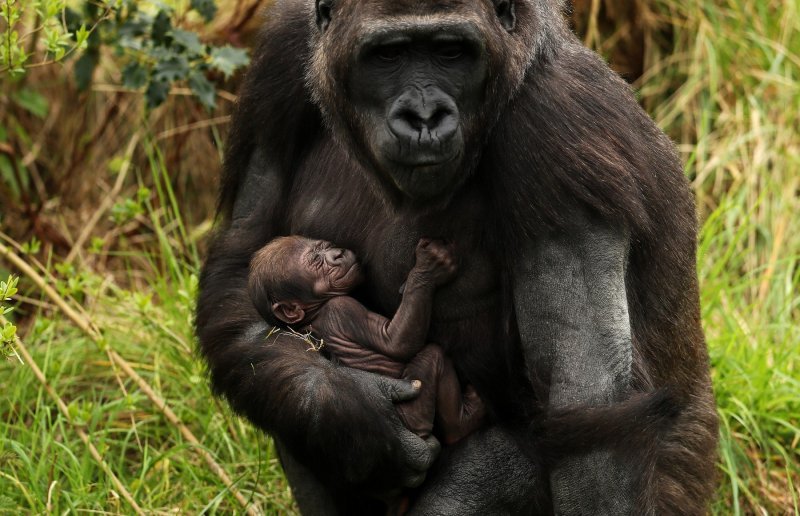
[(424, 117)]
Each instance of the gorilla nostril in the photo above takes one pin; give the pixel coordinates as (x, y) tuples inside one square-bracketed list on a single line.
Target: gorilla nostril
[(436, 118), (413, 119), (410, 122), (423, 116)]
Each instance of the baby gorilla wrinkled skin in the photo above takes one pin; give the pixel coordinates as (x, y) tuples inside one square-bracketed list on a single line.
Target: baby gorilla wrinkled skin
[(304, 284)]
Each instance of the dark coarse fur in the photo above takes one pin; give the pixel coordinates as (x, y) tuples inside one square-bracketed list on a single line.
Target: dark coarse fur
[(570, 139)]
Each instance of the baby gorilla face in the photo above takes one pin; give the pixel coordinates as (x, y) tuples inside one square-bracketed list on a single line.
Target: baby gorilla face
[(335, 270)]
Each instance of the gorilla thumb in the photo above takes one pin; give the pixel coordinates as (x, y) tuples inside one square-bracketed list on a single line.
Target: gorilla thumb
[(400, 390)]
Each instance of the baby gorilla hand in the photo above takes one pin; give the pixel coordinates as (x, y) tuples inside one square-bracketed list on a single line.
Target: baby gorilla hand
[(435, 262)]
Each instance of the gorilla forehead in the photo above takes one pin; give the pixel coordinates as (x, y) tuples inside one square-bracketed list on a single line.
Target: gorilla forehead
[(357, 18), (510, 51), (416, 7)]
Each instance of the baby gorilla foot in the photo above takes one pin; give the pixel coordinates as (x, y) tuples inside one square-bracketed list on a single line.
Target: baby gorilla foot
[(473, 412)]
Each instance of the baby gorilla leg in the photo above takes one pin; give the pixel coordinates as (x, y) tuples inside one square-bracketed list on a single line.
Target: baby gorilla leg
[(457, 414), (426, 366)]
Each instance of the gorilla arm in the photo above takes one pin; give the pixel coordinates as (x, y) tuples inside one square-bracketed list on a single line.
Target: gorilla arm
[(342, 419), (572, 313)]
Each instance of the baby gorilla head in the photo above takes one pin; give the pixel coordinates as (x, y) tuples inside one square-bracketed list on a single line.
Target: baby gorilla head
[(291, 277)]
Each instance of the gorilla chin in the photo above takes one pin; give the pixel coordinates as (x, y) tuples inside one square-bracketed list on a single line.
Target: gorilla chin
[(427, 181), (424, 171)]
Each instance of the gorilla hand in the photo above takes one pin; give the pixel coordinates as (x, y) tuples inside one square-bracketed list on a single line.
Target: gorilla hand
[(361, 436), (414, 455)]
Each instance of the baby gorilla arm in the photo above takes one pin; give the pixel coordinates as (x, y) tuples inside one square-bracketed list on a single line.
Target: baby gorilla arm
[(406, 333)]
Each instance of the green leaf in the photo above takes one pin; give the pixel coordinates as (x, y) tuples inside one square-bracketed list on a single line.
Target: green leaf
[(134, 27), (206, 8), (172, 69), (161, 28), (8, 288), (9, 331), (96, 245), (228, 59), (10, 12), (50, 8), (32, 247), (156, 93), (188, 40), (142, 194), (81, 37), (32, 101), (56, 41), (134, 76), (203, 89)]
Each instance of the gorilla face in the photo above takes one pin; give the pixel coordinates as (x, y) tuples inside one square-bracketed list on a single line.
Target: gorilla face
[(415, 94), (411, 88)]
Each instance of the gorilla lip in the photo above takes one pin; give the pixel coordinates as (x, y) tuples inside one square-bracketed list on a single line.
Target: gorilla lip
[(424, 164)]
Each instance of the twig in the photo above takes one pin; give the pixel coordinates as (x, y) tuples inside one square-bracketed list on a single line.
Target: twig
[(94, 333), (780, 232), (202, 124), (62, 407), (175, 91), (108, 201)]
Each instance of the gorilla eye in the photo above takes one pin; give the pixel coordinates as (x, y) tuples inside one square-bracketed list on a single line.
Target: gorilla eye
[(389, 53), (450, 52)]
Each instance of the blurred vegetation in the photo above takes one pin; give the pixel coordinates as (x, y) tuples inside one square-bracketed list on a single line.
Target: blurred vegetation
[(112, 119)]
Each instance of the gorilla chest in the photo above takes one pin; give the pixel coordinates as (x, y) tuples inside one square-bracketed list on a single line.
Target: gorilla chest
[(384, 239)]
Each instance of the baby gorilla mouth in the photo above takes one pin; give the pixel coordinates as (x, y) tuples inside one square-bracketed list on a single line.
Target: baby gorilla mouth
[(352, 274)]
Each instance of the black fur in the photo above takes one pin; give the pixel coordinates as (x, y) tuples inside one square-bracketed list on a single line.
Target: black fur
[(570, 145)]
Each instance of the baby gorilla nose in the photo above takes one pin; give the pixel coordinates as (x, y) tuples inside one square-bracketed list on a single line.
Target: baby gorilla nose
[(424, 116), (334, 255)]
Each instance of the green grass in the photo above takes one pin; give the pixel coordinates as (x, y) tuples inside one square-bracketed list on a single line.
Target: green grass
[(728, 93), (45, 467)]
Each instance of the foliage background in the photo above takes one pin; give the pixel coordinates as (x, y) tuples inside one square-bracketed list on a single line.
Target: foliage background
[(106, 206)]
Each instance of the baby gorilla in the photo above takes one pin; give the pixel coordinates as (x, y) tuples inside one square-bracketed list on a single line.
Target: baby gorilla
[(303, 284)]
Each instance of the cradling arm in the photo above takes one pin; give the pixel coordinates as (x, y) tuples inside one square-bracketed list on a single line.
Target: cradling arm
[(572, 313)]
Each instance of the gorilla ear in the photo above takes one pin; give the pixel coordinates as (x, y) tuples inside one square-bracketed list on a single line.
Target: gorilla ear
[(505, 13), (324, 13)]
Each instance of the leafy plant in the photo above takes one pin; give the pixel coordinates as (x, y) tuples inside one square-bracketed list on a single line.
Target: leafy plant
[(144, 37), (8, 331), (48, 26), (154, 52)]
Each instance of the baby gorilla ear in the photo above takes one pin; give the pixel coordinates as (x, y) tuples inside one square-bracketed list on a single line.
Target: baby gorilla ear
[(290, 312)]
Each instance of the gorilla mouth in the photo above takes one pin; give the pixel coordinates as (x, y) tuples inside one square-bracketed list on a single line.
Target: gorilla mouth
[(426, 163)]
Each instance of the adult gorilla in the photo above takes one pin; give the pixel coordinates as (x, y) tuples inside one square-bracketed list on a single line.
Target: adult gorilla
[(372, 123)]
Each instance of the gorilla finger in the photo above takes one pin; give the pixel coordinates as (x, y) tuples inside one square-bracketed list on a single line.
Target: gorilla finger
[(419, 453), (414, 479), (400, 390), (434, 447)]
